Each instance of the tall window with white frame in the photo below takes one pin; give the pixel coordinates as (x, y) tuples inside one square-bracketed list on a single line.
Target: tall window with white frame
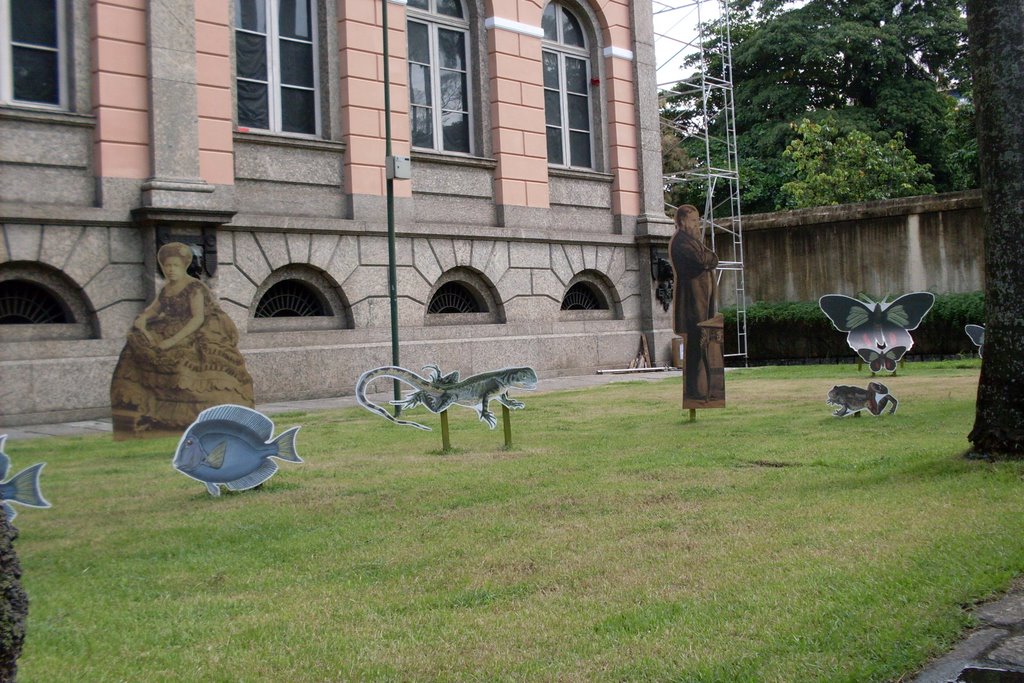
[(440, 115), (32, 52), (566, 89), (276, 72)]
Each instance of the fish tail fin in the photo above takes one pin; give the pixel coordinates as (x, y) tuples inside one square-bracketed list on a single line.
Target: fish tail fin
[(286, 446), (24, 487)]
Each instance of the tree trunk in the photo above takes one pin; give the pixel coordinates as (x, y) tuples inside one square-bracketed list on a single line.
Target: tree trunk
[(13, 602), (996, 36)]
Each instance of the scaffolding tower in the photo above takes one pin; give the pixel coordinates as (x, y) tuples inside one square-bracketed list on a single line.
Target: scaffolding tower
[(694, 52)]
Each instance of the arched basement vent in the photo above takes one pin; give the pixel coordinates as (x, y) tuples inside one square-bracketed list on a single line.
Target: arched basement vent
[(26, 303), (582, 297), (291, 299), (453, 297)]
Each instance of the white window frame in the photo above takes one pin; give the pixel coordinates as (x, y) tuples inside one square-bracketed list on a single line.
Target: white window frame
[(7, 45), (433, 22), (561, 51), (273, 82)]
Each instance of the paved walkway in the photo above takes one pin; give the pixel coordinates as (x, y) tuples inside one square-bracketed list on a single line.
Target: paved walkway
[(991, 653), (551, 384)]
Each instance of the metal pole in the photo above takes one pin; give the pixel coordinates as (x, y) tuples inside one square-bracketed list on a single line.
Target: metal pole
[(390, 184)]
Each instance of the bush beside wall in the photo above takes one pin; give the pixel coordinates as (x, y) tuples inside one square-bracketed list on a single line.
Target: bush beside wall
[(795, 331)]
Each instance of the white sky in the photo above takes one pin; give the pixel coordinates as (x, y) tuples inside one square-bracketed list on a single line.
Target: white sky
[(675, 34)]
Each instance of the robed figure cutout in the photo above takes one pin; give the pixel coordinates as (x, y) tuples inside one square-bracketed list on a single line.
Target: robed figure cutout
[(181, 357), (696, 318)]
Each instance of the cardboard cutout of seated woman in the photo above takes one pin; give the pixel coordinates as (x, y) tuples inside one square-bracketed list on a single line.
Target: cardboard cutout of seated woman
[(181, 357), (694, 316)]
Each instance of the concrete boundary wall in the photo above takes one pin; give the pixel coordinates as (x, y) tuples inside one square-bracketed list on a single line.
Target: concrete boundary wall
[(890, 247)]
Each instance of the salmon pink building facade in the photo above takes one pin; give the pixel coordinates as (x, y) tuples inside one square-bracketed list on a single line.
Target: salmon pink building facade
[(255, 132)]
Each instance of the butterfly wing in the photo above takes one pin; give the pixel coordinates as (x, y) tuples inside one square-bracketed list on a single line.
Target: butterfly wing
[(896, 336), (893, 356), (873, 358), (846, 313), (975, 332), (977, 335), (908, 310), (5, 461)]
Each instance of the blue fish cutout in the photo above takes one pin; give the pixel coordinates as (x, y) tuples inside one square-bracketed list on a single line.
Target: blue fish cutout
[(22, 488), (232, 445)]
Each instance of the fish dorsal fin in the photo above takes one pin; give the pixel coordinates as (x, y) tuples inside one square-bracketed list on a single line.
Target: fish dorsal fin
[(257, 422), (216, 457), (262, 473)]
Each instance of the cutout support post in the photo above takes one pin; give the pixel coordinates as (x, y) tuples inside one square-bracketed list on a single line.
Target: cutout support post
[(446, 442), (506, 418)]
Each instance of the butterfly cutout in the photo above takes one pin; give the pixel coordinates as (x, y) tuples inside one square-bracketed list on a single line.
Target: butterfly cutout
[(877, 360), (977, 335), (878, 325)]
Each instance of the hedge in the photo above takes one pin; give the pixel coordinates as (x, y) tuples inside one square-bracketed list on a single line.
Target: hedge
[(793, 331)]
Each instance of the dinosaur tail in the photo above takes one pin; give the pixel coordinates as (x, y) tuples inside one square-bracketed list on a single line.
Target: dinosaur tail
[(394, 372)]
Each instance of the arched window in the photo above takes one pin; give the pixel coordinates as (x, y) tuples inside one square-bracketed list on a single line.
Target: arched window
[(590, 295), (454, 297), (439, 110), (567, 105), (298, 297), (583, 296), (463, 296), (292, 299), (38, 302), (26, 303)]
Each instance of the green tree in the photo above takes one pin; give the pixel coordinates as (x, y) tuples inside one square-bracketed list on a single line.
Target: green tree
[(675, 163), (875, 66), (997, 53), (962, 145), (836, 168)]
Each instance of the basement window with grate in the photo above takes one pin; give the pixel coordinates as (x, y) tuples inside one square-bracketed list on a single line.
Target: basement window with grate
[(292, 299), (582, 297), (453, 297), (26, 303)]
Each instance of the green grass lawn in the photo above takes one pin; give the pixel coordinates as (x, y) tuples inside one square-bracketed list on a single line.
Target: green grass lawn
[(767, 541)]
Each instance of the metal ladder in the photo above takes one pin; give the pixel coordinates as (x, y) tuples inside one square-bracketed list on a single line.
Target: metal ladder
[(689, 27)]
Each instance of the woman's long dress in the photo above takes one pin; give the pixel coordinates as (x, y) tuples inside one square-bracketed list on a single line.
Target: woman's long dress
[(156, 390)]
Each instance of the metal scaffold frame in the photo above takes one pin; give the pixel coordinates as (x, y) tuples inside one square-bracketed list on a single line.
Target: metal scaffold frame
[(701, 29)]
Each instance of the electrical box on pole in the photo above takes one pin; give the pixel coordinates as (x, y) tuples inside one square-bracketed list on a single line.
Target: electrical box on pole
[(398, 168)]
